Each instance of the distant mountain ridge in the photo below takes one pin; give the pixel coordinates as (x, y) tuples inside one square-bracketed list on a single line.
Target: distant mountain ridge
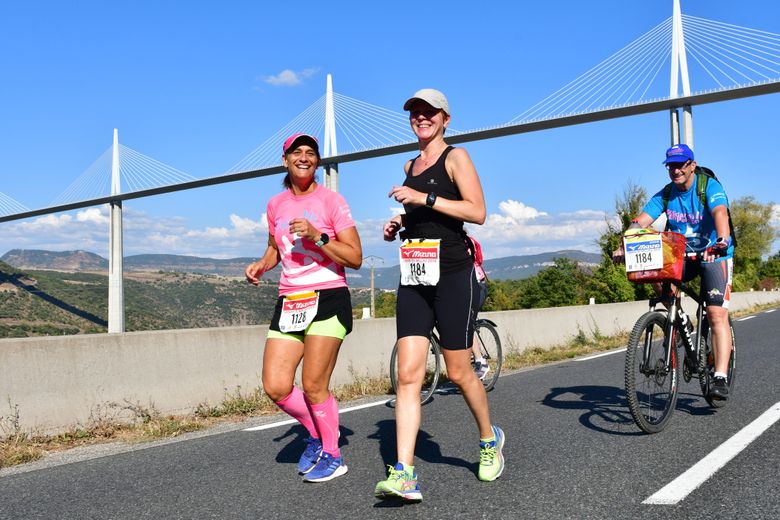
[(506, 268)]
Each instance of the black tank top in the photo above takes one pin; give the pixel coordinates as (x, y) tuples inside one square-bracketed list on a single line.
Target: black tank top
[(425, 222)]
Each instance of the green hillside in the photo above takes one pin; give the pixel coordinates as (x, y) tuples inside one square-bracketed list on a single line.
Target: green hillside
[(48, 303), (34, 303)]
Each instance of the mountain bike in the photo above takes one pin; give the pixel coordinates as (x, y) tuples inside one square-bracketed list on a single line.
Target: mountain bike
[(486, 336), (652, 365)]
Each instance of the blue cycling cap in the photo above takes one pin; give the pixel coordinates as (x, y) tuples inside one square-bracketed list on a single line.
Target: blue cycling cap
[(678, 153)]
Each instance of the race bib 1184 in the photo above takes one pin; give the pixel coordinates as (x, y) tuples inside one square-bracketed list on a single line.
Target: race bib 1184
[(419, 259), (644, 252)]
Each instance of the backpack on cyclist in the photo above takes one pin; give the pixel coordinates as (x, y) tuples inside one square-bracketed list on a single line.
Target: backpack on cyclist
[(476, 254), (703, 175)]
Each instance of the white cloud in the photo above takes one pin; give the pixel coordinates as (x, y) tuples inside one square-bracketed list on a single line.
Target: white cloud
[(93, 215), (248, 226), (518, 211), (515, 229), (521, 229), (290, 78), (142, 233)]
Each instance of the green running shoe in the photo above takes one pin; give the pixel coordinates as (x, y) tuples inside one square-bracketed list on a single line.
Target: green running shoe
[(491, 457), (401, 483)]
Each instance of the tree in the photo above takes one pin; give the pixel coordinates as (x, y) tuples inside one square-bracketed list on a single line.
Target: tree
[(627, 207), (503, 295), (609, 283), (556, 286), (384, 304), (755, 234), (769, 273)]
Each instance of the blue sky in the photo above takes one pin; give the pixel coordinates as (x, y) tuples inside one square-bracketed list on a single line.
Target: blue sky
[(199, 85)]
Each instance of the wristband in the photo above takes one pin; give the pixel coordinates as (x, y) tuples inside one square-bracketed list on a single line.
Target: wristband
[(430, 200)]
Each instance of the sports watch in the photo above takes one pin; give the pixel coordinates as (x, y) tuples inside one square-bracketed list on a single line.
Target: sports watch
[(324, 239), (430, 200)]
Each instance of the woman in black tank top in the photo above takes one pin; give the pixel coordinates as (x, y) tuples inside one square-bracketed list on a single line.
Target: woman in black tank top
[(441, 192)]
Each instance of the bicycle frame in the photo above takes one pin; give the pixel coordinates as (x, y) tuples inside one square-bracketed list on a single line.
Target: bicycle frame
[(672, 301)]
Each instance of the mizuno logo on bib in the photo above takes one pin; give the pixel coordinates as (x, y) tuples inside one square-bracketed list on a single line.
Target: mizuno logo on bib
[(419, 259)]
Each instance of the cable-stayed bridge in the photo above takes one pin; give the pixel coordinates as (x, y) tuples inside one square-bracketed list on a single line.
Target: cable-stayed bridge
[(724, 61), (727, 61)]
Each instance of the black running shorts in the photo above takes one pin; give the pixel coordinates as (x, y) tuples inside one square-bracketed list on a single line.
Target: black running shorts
[(449, 306)]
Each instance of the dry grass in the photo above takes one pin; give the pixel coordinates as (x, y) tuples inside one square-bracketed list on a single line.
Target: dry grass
[(579, 346), (146, 424)]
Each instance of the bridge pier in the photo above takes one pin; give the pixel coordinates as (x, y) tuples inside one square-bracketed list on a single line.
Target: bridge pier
[(116, 293), (674, 126)]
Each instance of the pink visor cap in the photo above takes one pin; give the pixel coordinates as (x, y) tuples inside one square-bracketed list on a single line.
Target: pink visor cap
[(295, 140)]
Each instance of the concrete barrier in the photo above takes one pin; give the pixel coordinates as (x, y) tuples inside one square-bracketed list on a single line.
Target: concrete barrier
[(52, 384)]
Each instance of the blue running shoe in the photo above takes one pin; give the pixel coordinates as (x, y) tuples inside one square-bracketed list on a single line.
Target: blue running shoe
[(327, 468), (310, 455)]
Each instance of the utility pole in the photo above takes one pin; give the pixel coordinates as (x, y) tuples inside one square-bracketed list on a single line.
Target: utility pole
[(372, 260)]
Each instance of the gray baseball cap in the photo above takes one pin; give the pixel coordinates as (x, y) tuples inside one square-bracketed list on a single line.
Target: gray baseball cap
[(431, 96)]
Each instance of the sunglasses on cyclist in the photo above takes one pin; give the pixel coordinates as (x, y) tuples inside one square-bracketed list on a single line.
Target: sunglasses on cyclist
[(677, 166)]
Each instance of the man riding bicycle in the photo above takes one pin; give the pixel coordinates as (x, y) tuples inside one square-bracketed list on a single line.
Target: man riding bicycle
[(707, 231)]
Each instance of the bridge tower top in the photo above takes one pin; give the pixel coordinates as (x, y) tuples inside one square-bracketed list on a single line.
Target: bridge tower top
[(115, 186), (331, 170), (679, 57)]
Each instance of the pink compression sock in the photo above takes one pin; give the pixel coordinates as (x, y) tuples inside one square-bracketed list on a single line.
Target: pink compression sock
[(326, 420), (295, 406)]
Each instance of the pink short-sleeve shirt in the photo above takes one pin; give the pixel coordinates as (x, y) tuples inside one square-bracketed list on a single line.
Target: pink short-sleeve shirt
[(304, 265)]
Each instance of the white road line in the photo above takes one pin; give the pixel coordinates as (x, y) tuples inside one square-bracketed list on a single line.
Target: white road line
[(683, 485), (747, 318), (601, 355), (293, 421), (770, 310)]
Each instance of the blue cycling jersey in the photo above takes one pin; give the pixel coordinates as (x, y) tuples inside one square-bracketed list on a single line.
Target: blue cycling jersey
[(685, 214)]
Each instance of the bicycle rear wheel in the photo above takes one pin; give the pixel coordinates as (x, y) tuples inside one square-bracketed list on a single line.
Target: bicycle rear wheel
[(651, 383), (432, 371), (707, 364), (486, 336)]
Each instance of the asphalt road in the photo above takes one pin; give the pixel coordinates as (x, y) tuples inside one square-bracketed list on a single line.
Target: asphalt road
[(572, 451)]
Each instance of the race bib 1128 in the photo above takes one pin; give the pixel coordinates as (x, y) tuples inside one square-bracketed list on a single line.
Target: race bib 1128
[(298, 311)]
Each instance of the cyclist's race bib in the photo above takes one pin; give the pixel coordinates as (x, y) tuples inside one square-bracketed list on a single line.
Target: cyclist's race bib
[(419, 260), (298, 311), (644, 251)]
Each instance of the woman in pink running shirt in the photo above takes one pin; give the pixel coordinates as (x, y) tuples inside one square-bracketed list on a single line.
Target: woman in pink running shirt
[(311, 232)]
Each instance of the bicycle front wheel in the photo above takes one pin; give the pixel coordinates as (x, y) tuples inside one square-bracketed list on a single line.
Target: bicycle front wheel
[(432, 371), (707, 364), (651, 381), (486, 336)]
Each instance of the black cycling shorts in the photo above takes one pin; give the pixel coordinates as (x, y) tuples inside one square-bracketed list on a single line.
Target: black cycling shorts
[(715, 280), (449, 306)]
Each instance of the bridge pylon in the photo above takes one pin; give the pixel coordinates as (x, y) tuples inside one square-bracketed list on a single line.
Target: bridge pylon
[(331, 169), (116, 295), (679, 78)]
